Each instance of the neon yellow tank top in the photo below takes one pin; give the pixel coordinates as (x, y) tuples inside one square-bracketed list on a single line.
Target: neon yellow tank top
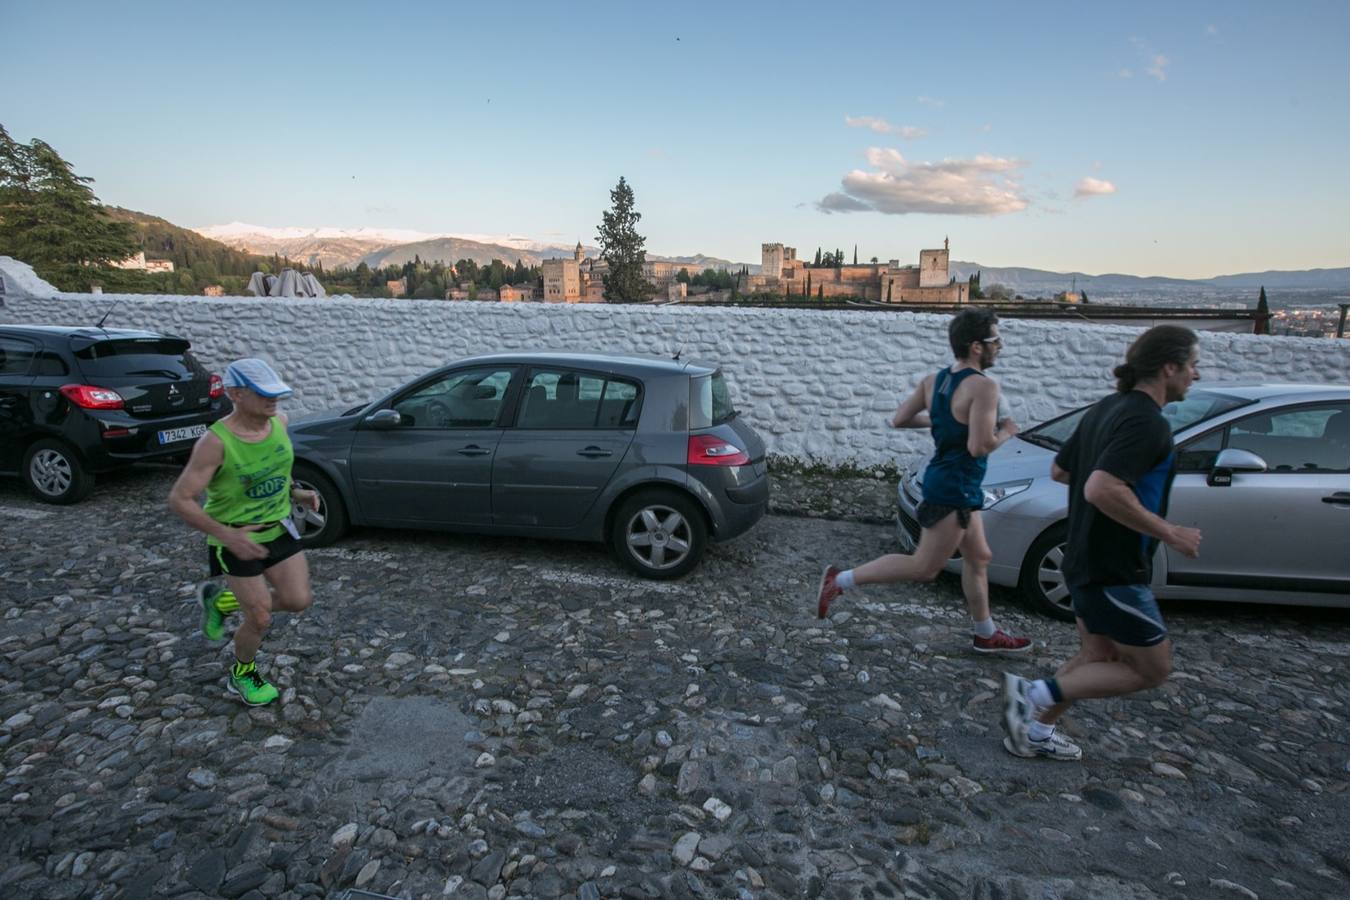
[(253, 483)]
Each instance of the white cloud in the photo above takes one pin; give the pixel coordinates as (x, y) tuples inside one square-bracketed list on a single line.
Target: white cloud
[(932, 101), (1125, 73), (1158, 68), (1093, 187), (881, 126), (983, 186)]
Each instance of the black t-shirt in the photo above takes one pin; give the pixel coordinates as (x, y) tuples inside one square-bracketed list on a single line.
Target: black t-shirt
[(1124, 435)]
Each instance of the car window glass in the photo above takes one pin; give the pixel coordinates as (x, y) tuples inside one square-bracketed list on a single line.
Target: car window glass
[(137, 358), (709, 401), (1198, 455), (1308, 439), (465, 399), (561, 399), (619, 406), (1198, 406), (49, 362), (15, 356)]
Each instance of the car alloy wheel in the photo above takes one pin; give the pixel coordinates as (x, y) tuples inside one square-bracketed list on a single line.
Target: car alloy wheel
[(659, 537), (318, 527), (1043, 579), (55, 474), (50, 471), (659, 533)]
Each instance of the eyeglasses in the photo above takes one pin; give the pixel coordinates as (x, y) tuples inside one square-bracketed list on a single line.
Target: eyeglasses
[(995, 340)]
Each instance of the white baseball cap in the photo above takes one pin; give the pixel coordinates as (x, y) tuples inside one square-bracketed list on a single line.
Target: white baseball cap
[(258, 377)]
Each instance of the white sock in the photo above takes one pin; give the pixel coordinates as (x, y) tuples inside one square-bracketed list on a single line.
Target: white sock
[(844, 580), (1039, 694), (1039, 731), (984, 629)]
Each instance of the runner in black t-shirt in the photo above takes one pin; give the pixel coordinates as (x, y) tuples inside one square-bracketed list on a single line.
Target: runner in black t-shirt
[(1118, 465)]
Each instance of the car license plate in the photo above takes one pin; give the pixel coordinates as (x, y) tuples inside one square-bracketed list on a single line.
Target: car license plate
[(174, 435)]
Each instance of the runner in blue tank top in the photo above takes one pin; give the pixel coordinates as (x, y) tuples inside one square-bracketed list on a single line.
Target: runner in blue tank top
[(961, 406)]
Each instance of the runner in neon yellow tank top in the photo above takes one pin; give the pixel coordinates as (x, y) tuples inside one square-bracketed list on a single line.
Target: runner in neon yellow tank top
[(243, 463)]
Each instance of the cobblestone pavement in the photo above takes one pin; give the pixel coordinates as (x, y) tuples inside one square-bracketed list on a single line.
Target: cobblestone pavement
[(475, 717)]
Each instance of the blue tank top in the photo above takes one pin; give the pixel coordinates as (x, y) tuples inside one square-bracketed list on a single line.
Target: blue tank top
[(953, 477)]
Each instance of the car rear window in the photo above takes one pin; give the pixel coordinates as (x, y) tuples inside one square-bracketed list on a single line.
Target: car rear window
[(710, 401), (136, 357)]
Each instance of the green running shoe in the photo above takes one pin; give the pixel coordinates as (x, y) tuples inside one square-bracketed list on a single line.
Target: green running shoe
[(246, 681), (213, 620)]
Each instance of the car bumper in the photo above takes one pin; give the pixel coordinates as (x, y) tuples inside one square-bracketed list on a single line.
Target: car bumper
[(736, 497), (107, 447), (1007, 535)]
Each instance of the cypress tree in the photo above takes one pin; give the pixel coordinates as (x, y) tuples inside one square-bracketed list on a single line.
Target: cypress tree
[(621, 247)]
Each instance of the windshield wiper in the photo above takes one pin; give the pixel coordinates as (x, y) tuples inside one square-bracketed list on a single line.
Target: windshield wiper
[(1040, 440)]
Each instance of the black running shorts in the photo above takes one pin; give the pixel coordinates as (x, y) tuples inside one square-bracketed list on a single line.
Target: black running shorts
[(223, 562), (930, 514)]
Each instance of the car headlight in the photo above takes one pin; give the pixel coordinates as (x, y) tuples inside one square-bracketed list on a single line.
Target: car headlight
[(995, 494)]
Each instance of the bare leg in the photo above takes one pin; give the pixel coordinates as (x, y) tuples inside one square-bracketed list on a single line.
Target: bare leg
[(290, 584), (936, 546), (255, 603), (975, 558), (1104, 668)]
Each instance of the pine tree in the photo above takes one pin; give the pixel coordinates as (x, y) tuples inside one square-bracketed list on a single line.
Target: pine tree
[(50, 218), (1262, 313), (855, 254), (621, 247), (817, 262), (807, 294)]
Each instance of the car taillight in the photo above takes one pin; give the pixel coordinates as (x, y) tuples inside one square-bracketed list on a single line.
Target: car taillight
[(710, 450), (87, 396), (217, 389)]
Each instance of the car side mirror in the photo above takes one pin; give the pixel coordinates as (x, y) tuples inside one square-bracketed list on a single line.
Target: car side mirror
[(384, 419), (1230, 461)]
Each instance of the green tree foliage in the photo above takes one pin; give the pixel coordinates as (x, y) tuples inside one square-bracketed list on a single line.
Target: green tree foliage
[(975, 292), (682, 276), (817, 262), (1262, 313), (716, 279), (621, 247), (855, 254), (50, 218)]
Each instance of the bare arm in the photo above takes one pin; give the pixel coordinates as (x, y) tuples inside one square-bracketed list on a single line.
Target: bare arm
[(913, 411), (1115, 498), (1057, 474), (207, 455), (987, 434)]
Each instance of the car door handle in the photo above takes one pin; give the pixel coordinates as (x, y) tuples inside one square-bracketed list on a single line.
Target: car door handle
[(473, 450), (593, 452), (1338, 497)]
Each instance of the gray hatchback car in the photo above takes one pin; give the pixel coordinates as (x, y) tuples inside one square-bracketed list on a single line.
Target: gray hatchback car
[(646, 454), (1263, 470)]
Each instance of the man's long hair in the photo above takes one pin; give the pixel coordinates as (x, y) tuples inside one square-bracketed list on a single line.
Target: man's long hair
[(1155, 348)]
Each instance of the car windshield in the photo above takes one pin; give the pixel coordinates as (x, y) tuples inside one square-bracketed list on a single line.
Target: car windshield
[(709, 401), (137, 357), (1198, 406)]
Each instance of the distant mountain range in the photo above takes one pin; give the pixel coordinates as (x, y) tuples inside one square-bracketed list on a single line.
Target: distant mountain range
[(1039, 282), (335, 247)]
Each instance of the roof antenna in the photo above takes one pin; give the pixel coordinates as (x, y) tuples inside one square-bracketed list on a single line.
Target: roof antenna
[(108, 313), (683, 340)]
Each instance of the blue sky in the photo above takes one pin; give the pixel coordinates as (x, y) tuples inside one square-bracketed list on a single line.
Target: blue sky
[(1183, 139)]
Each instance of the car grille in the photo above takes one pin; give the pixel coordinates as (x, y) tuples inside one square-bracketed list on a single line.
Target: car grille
[(910, 525)]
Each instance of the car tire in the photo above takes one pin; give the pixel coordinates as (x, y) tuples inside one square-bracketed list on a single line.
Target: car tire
[(1042, 578), (55, 473), (321, 527), (659, 534)]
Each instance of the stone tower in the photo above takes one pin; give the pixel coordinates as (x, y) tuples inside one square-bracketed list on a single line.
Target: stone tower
[(771, 258), (578, 254)]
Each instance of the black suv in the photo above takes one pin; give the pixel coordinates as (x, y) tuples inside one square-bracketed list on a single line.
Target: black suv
[(75, 401)]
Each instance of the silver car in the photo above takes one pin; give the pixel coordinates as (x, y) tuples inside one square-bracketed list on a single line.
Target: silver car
[(646, 454), (1263, 470)]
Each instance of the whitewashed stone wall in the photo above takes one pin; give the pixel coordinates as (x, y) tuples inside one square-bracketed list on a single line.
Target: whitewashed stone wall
[(817, 385)]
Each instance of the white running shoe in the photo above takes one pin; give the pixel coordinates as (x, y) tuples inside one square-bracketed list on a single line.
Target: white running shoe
[(1017, 711), (1056, 746)]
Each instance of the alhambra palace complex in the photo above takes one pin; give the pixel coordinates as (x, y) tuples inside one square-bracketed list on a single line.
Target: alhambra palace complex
[(580, 279)]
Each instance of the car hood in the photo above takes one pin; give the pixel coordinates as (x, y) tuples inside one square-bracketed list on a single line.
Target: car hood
[(315, 421), (1016, 460)]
